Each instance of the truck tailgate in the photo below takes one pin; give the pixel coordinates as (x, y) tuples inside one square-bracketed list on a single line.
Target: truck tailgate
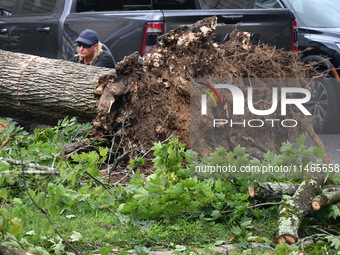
[(271, 26)]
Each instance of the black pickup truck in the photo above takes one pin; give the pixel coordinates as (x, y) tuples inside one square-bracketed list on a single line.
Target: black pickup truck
[(48, 28), (319, 31)]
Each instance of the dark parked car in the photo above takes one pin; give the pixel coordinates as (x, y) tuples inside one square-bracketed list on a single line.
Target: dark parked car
[(319, 29), (48, 28)]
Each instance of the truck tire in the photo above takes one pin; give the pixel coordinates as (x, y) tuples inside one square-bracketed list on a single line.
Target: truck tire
[(324, 103), (324, 106)]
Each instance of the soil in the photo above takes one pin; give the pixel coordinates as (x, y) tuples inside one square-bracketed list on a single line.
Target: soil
[(148, 100)]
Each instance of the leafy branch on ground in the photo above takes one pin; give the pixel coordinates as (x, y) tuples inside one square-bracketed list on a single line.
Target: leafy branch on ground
[(172, 208)]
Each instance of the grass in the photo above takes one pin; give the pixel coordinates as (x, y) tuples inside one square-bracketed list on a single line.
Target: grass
[(99, 229), (106, 232)]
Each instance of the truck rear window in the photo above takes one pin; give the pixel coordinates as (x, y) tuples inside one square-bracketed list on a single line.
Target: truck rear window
[(38, 6), (227, 4), (127, 5)]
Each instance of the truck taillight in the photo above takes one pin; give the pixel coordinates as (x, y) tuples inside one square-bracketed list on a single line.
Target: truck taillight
[(151, 31), (295, 36)]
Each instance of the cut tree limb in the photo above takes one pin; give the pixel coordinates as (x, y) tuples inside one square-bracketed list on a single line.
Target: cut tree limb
[(272, 189), (278, 189), (305, 196), (327, 196), (44, 90), (295, 209)]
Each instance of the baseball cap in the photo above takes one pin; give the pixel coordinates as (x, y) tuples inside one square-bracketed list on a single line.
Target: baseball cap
[(88, 36)]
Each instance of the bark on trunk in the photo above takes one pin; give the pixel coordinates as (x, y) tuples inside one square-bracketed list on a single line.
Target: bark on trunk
[(294, 210), (272, 189), (44, 90)]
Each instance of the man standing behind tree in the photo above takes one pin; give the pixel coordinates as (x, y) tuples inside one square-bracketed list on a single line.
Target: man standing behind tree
[(91, 52)]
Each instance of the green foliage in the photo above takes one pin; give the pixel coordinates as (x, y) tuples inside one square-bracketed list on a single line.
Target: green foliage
[(170, 190), (174, 204), (293, 158), (90, 161)]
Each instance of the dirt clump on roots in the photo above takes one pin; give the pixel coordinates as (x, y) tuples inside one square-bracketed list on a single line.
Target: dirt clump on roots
[(148, 100)]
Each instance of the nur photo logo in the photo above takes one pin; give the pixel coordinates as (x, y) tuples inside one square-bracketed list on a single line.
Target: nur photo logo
[(277, 101)]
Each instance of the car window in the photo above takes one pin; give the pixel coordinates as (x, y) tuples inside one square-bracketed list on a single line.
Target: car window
[(226, 4), (265, 4), (126, 5), (7, 7), (38, 6), (316, 13)]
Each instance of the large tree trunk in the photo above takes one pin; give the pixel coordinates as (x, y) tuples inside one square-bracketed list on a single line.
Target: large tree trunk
[(44, 90)]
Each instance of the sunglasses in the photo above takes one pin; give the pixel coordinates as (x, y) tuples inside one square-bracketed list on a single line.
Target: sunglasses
[(85, 45)]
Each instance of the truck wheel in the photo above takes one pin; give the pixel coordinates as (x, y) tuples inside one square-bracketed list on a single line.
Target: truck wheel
[(323, 105)]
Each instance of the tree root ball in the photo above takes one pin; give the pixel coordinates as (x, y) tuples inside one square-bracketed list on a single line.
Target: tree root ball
[(148, 100)]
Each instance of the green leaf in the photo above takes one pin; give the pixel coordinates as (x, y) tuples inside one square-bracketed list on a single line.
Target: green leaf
[(239, 151), (3, 193), (318, 151), (215, 214), (58, 248), (301, 140), (30, 233), (94, 171), (180, 248), (281, 249), (106, 250), (142, 195), (4, 166), (334, 211), (103, 151), (76, 236), (334, 241), (246, 223), (76, 157), (236, 230)]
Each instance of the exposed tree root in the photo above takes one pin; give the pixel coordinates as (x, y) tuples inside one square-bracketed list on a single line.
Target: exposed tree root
[(152, 95)]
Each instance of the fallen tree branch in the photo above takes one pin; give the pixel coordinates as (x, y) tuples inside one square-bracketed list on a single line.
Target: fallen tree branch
[(42, 170), (233, 210), (32, 172), (272, 189), (278, 189), (301, 203), (295, 209), (327, 196)]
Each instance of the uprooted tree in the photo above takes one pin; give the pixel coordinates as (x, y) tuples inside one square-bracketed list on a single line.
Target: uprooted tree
[(148, 100)]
